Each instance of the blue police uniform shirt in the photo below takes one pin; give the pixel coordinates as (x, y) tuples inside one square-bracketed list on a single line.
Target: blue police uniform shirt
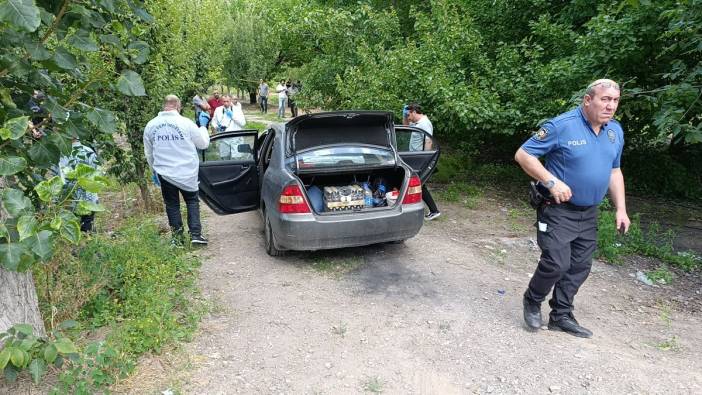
[(577, 156)]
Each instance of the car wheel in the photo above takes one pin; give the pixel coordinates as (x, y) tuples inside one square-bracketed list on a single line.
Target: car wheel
[(269, 240)]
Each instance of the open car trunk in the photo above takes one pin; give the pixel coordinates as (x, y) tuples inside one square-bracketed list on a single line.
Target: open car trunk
[(361, 190)]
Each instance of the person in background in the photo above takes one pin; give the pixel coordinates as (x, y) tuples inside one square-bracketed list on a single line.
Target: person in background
[(80, 154), (414, 116), (229, 116), (292, 92), (171, 142), (281, 89), (263, 96), (583, 149), (214, 102)]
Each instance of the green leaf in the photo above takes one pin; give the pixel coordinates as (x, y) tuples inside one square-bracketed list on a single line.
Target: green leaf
[(50, 353), (6, 98), (49, 189), (89, 185), (102, 119), (4, 357), (109, 5), (25, 329), (11, 255), (15, 202), (65, 59), (3, 231), (82, 40), (111, 39), (44, 152), (85, 207), (141, 13), (65, 346), (17, 127), (26, 344), (70, 230), (43, 244), (37, 51), (37, 369), (21, 13), (17, 357), (81, 171), (10, 165), (26, 226), (10, 373), (130, 84), (56, 223), (58, 113), (143, 51)]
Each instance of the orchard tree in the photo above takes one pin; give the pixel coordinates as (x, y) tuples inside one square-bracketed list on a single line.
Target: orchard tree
[(64, 49)]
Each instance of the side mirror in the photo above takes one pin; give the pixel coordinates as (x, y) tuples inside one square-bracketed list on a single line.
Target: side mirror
[(244, 148)]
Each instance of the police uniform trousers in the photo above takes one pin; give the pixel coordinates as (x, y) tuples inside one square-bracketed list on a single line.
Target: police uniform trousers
[(567, 241)]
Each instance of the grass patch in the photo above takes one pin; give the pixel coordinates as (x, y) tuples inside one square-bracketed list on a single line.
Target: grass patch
[(373, 385), (469, 195), (255, 125), (654, 243), (326, 264), (131, 293)]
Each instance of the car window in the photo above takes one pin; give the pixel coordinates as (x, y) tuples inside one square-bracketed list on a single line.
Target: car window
[(238, 148), (413, 140), (343, 156)]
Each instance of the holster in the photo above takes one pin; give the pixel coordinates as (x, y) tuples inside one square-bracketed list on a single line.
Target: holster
[(536, 198)]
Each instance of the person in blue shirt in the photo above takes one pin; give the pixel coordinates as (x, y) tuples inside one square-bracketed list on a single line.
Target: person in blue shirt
[(582, 148)]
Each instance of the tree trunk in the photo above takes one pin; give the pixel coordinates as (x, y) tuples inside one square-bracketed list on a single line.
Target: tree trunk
[(18, 301)]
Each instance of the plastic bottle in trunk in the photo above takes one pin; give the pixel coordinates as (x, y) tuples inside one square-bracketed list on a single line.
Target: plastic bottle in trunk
[(367, 195)]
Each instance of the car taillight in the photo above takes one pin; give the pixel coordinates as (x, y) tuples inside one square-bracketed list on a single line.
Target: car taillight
[(414, 191), (292, 201)]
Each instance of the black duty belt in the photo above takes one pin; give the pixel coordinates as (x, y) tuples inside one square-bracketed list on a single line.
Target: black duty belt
[(568, 205)]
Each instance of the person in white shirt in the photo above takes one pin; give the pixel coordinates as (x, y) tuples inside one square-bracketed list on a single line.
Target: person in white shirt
[(171, 142), (416, 117), (229, 116), (282, 98)]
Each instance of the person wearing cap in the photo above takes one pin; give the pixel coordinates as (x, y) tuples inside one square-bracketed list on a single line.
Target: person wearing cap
[(583, 149), (171, 142)]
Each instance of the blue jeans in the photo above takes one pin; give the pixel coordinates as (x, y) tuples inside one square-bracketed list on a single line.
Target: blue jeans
[(281, 106), (264, 104), (172, 200)]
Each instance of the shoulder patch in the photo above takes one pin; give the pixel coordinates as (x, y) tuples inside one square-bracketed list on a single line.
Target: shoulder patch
[(541, 134)]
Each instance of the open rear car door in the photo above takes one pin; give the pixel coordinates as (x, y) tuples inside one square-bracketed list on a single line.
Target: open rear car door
[(229, 182), (418, 149)]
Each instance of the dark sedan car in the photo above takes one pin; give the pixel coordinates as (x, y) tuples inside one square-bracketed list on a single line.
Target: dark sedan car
[(326, 180)]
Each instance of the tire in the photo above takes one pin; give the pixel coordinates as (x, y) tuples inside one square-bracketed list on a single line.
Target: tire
[(270, 239)]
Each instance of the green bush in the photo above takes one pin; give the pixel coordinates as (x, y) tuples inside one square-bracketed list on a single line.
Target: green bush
[(133, 285)]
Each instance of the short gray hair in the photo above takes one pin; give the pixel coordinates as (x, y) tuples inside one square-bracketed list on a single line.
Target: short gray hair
[(603, 82), (172, 100)]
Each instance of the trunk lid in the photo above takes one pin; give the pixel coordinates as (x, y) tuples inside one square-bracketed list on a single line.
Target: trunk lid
[(338, 128)]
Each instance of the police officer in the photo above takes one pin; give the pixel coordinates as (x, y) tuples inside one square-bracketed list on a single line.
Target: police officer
[(583, 149)]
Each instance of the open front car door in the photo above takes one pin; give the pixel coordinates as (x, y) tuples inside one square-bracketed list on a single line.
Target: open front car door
[(229, 174), (418, 149)]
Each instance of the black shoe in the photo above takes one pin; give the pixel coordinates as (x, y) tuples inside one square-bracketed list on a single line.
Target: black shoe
[(432, 216), (568, 324), (198, 240), (532, 315)]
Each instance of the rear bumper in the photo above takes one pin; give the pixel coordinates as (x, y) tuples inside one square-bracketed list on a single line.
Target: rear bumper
[(318, 232)]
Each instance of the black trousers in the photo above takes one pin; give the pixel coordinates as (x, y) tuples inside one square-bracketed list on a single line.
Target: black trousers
[(567, 237), (86, 223), (428, 200), (170, 194)]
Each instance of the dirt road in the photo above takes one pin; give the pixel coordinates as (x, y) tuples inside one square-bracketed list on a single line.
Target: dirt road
[(440, 314)]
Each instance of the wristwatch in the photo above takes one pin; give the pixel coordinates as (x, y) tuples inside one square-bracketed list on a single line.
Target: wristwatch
[(550, 183)]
